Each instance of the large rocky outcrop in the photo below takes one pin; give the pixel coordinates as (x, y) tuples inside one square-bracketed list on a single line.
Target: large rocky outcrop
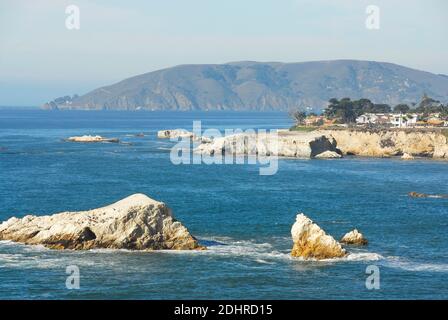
[(136, 222), (384, 143), (311, 242), (283, 144)]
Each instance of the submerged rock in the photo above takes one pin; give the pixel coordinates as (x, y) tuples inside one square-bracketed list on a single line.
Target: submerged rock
[(311, 242), (354, 237), (136, 222), (414, 194), (89, 138)]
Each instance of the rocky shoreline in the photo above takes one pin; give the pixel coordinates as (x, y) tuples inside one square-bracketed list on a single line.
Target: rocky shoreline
[(388, 143), (325, 143)]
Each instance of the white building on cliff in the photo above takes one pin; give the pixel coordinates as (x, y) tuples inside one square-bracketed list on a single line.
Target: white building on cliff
[(397, 120)]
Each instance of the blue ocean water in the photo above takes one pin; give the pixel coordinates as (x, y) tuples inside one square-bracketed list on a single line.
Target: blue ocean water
[(243, 217)]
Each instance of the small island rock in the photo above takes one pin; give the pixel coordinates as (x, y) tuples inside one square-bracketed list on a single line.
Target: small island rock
[(311, 242), (89, 138), (354, 237)]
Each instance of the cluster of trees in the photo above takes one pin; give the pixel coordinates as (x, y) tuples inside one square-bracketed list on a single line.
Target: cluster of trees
[(348, 110), (428, 105), (299, 117)]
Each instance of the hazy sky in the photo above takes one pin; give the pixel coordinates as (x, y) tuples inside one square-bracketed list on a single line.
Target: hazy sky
[(41, 59)]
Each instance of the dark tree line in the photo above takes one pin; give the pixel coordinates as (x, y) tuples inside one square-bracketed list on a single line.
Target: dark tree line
[(348, 110)]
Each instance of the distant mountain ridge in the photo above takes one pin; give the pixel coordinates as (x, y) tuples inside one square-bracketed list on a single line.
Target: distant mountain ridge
[(261, 86)]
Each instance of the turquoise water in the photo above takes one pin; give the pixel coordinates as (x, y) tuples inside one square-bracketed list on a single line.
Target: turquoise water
[(243, 217)]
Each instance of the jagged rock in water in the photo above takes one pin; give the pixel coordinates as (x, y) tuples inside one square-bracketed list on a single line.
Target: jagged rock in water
[(354, 237), (414, 194), (311, 242), (136, 222)]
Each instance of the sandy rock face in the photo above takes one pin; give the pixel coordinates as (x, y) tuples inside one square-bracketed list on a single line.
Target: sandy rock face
[(88, 138), (311, 242), (136, 222), (354, 237), (386, 143)]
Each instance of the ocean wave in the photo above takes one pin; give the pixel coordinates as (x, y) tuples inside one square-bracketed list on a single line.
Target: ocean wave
[(259, 252), (265, 253), (408, 265), (17, 255)]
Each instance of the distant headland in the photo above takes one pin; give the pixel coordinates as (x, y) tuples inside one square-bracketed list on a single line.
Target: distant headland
[(260, 86)]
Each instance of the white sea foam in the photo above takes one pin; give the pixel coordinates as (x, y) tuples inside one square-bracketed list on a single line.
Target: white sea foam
[(265, 253), (408, 265), (260, 252), (16, 255), (363, 256)]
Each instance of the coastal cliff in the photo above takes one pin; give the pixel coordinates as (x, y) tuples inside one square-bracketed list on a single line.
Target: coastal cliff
[(386, 143), (283, 144)]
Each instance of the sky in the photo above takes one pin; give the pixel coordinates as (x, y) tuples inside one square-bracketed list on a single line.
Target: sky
[(41, 59)]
